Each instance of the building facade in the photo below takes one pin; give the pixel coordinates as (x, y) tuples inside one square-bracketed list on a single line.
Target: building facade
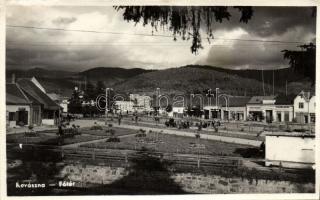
[(304, 106), (21, 109), (142, 103), (177, 112), (261, 108), (124, 106)]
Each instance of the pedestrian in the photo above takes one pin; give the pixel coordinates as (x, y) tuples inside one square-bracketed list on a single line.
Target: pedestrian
[(119, 120), (136, 118)]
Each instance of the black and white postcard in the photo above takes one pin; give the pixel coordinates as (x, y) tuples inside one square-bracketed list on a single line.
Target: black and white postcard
[(198, 99)]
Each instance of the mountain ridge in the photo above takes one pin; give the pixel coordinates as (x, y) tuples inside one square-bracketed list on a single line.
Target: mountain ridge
[(184, 79)]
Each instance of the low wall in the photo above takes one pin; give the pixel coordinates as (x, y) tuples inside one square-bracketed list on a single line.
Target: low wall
[(99, 174), (48, 122)]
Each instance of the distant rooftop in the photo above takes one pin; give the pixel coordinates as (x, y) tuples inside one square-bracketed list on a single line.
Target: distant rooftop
[(14, 95), (260, 99), (285, 99)]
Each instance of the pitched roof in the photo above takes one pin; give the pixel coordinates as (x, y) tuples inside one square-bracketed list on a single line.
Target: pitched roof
[(285, 99), (31, 89), (235, 101), (259, 99), (14, 95)]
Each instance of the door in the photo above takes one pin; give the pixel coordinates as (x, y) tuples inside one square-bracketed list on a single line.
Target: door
[(206, 114), (306, 119), (22, 118), (268, 116), (225, 115), (279, 116), (286, 116)]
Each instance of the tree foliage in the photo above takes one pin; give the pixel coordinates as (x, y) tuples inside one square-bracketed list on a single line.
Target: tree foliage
[(74, 105), (303, 61), (183, 21)]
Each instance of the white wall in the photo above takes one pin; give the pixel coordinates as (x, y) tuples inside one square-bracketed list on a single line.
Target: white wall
[(290, 149), (64, 107), (235, 110), (48, 122), (177, 109), (124, 106), (300, 99), (283, 109)]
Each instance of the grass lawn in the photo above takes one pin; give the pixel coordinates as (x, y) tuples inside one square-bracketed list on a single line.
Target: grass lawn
[(171, 144), (118, 131), (48, 139)]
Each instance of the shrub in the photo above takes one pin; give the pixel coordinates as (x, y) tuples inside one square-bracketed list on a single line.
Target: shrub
[(142, 130), (141, 135), (113, 139), (111, 131), (96, 127), (302, 130)]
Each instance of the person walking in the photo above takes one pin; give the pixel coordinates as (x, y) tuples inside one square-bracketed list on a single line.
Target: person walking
[(119, 119)]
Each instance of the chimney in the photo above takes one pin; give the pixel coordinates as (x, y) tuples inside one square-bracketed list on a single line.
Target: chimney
[(13, 78)]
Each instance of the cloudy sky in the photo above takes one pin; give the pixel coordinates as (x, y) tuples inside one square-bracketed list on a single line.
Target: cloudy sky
[(124, 46)]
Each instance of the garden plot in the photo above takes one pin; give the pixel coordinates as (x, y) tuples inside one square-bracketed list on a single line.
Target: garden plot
[(170, 144)]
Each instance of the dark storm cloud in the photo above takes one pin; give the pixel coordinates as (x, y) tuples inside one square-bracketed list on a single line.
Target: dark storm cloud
[(268, 21), (250, 57), (294, 24)]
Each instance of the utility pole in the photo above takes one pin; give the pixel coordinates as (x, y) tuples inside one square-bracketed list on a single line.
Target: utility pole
[(286, 87), (107, 103), (217, 99), (264, 94), (309, 118), (273, 82)]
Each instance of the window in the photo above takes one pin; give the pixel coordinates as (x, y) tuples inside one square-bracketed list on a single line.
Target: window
[(301, 105), (12, 116)]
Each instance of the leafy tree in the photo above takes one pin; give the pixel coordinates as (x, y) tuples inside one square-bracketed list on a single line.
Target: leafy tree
[(303, 61), (90, 93), (169, 108), (100, 88), (183, 21), (75, 102)]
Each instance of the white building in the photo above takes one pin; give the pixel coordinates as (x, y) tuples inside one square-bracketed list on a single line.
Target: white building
[(177, 112), (141, 102), (212, 112), (234, 108), (283, 111), (261, 108), (64, 105), (293, 150), (27, 104), (304, 107), (124, 106)]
